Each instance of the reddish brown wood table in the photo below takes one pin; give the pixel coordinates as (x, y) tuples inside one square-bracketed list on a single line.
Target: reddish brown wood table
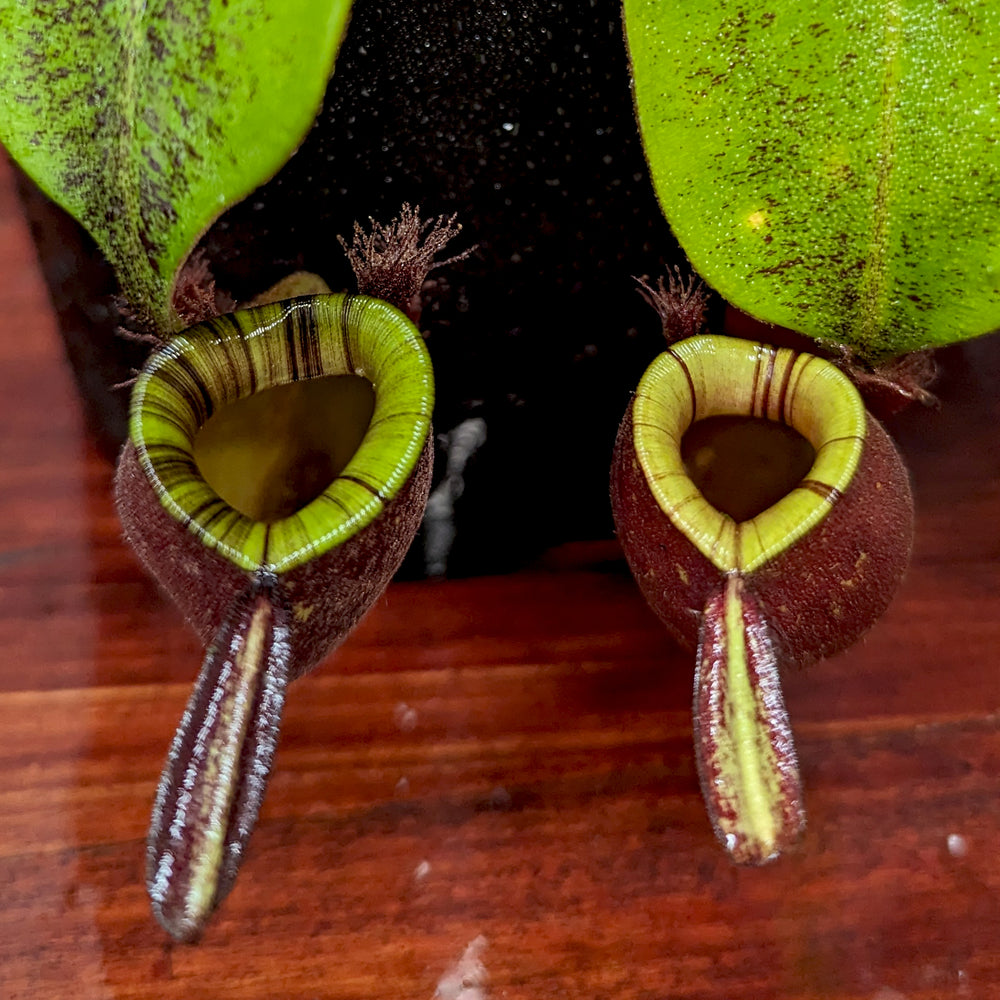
[(502, 757)]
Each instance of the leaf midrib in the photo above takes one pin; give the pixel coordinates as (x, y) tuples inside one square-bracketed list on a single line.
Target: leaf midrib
[(134, 44), (870, 322)]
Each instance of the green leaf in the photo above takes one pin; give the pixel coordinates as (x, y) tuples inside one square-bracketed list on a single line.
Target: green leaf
[(145, 119), (833, 168)]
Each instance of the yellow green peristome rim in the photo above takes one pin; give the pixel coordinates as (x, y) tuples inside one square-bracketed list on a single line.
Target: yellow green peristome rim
[(711, 376), (233, 356)]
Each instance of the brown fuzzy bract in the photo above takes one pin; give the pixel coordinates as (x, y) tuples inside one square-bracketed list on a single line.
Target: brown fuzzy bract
[(891, 386), (680, 303), (393, 261)]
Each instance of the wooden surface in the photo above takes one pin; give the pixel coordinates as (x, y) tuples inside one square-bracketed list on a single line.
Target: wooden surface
[(503, 757)]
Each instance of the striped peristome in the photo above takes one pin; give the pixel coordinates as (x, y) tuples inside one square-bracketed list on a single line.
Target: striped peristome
[(230, 357), (271, 595), (801, 580), (711, 376)]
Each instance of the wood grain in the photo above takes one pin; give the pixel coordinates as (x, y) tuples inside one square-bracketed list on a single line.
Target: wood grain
[(507, 757)]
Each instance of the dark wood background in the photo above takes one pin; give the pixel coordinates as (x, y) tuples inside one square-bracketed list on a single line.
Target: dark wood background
[(504, 757)]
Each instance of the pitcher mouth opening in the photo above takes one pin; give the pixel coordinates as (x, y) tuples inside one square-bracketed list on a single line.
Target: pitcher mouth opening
[(231, 358), (272, 453), (711, 376)]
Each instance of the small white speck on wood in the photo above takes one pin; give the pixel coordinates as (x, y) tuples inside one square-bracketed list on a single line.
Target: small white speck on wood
[(466, 980), (957, 847), (405, 717)]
